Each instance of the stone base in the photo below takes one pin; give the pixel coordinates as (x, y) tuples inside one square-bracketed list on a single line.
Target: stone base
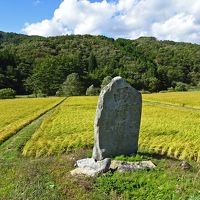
[(123, 166), (84, 171), (90, 167)]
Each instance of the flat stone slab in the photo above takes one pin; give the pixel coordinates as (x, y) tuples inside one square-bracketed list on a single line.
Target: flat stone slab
[(123, 166), (90, 167), (84, 171)]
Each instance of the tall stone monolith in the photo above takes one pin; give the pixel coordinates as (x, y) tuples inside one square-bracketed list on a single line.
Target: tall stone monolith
[(117, 121)]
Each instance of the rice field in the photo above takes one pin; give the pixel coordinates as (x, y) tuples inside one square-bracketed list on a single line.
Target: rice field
[(188, 99), (16, 113), (173, 131), (70, 126)]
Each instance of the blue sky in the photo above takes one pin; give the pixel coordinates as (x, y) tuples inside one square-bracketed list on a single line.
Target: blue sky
[(15, 13), (177, 20)]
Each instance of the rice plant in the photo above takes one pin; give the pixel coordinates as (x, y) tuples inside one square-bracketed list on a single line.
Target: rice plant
[(16, 113), (173, 131)]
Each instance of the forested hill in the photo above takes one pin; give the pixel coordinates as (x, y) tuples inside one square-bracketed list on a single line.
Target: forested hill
[(31, 63)]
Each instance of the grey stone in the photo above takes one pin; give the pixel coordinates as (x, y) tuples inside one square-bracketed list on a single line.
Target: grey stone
[(84, 171), (123, 166), (117, 121), (102, 165), (90, 167), (185, 165)]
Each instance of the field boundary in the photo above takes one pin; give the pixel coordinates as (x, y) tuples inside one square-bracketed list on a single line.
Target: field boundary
[(170, 105), (30, 121)]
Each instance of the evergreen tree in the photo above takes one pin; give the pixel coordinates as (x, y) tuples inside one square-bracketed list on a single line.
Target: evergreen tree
[(92, 63)]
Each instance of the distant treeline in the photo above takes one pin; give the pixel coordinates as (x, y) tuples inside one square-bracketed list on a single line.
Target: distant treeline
[(34, 64)]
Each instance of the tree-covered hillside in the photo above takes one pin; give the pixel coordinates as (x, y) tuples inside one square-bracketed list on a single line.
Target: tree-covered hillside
[(34, 64)]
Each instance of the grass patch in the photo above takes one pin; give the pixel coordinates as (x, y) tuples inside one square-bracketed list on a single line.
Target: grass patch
[(167, 181), (48, 178)]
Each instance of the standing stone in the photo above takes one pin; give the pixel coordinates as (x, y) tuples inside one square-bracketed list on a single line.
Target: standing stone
[(117, 121)]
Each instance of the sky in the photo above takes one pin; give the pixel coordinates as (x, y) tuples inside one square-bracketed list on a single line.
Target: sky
[(177, 20)]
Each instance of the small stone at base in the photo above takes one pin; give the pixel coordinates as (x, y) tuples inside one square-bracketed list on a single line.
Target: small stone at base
[(84, 171), (90, 167), (122, 166)]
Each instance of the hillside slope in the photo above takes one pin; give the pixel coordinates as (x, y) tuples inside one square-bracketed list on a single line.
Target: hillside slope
[(27, 62)]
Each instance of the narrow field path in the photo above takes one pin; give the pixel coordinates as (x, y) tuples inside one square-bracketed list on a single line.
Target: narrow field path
[(11, 148), (171, 105), (35, 119)]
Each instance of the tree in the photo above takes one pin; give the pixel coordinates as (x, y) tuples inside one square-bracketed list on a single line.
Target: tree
[(181, 86), (7, 93), (106, 81), (44, 63), (92, 91), (44, 77), (73, 86), (50, 72), (92, 63), (153, 84)]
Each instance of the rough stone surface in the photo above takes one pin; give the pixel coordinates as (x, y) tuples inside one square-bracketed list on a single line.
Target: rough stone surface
[(117, 121), (84, 171), (90, 167), (123, 166), (102, 165)]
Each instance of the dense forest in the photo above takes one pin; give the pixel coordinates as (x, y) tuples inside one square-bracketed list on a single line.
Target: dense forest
[(34, 64)]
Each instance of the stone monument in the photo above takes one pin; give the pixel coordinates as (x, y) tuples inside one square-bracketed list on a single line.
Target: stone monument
[(117, 121), (116, 130)]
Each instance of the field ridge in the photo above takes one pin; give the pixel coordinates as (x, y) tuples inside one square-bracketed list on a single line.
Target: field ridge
[(184, 99), (171, 104), (9, 134)]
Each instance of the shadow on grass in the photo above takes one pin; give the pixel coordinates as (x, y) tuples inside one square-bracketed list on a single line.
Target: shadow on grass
[(156, 156)]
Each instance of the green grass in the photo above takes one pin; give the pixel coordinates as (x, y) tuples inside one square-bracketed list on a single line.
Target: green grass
[(15, 171), (167, 181), (48, 178)]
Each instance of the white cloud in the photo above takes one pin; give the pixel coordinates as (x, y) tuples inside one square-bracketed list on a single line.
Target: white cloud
[(179, 27), (177, 20)]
